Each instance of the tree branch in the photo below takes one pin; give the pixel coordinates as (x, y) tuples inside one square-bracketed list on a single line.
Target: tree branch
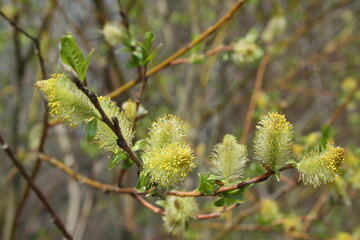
[(113, 125), (181, 51), (36, 190)]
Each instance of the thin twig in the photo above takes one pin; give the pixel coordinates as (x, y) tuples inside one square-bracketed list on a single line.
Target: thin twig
[(194, 193), (84, 180), (209, 53), (255, 227), (340, 109), (113, 125), (35, 40), (229, 15), (216, 214), (36, 190), (254, 97), (149, 205), (314, 211)]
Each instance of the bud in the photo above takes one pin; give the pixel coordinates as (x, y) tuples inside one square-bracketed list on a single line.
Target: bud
[(178, 212), (228, 159), (113, 33), (129, 107), (320, 166), (273, 140)]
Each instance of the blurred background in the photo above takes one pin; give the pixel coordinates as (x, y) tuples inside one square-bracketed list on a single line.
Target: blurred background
[(299, 58)]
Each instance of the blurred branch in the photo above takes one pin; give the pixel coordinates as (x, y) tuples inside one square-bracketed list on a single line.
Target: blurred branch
[(340, 109), (216, 214), (327, 51), (35, 40), (36, 190), (149, 205), (314, 212), (45, 125), (84, 180), (255, 227), (181, 51), (258, 83), (209, 53)]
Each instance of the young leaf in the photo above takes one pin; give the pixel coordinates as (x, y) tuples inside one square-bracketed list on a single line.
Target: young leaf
[(116, 158), (71, 56), (139, 145), (237, 195), (153, 54), (206, 185), (127, 163), (149, 39), (91, 129), (144, 183), (219, 202), (326, 135)]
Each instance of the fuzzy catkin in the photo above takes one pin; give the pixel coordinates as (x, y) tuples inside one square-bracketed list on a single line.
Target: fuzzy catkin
[(167, 158), (320, 166), (228, 159), (273, 140)]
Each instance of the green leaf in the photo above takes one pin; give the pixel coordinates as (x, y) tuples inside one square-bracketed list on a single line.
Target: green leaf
[(229, 201), (139, 145), (219, 202), (237, 195), (153, 54), (326, 134), (149, 39), (144, 183), (116, 158), (72, 56), (161, 203), (87, 62), (91, 129), (206, 186), (127, 163)]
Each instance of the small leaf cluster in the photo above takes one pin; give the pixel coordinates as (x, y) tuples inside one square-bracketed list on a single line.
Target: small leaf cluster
[(142, 53), (72, 58)]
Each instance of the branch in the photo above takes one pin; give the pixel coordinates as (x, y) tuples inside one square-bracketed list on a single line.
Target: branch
[(216, 214), (209, 53), (113, 125), (36, 167), (258, 83), (35, 40), (149, 205), (181, 51), (84, 180), (36, 190), (340, 109), (258, 179), (112, 188)]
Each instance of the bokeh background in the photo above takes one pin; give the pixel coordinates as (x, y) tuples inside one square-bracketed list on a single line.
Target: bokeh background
[(299, 58)]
